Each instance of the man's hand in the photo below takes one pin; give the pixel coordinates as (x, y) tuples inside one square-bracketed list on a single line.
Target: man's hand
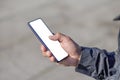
[(73, 50)]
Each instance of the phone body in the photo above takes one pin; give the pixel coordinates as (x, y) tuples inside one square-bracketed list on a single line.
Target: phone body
[(42, 32)]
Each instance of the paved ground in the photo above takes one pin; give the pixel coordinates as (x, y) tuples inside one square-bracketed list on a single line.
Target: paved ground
[(89, 23)]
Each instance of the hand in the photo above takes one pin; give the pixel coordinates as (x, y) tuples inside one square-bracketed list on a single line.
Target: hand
[(73, 50)]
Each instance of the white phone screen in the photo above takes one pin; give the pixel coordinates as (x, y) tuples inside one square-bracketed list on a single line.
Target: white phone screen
[(43, 33)]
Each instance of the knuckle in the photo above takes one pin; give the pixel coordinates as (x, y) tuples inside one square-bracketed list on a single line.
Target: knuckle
[(68, 38), (58, 34)]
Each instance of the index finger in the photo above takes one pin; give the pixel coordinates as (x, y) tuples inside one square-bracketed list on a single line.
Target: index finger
[(43, 48)]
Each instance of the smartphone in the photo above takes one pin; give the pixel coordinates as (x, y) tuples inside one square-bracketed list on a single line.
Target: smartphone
[(42, 32)]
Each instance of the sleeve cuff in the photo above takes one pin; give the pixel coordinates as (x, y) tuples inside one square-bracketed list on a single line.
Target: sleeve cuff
[(87, 61)]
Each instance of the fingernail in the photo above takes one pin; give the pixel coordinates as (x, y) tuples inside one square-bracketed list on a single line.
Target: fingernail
[(50, 36)]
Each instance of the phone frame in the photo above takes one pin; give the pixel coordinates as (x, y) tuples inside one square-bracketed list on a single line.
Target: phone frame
[(39, 36)]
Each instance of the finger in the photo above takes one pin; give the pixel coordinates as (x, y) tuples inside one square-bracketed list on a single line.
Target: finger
[(43, 48), (52, 59), (44, 54), (57, 36), (48, 54)]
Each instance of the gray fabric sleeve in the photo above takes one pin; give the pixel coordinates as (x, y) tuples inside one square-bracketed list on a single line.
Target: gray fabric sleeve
[(96, 63)]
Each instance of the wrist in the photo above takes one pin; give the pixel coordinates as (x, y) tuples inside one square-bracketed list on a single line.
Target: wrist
[(78, 60), (79, 57)]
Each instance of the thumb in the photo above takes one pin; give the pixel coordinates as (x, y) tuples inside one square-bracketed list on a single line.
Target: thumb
[(57, 36)]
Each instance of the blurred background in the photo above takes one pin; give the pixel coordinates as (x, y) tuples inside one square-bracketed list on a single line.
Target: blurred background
[(88, 22)]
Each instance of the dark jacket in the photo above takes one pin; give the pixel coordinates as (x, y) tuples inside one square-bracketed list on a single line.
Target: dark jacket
[(100, 64)]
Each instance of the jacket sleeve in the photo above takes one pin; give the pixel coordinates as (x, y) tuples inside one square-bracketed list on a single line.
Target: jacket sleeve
[(96, 63)]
